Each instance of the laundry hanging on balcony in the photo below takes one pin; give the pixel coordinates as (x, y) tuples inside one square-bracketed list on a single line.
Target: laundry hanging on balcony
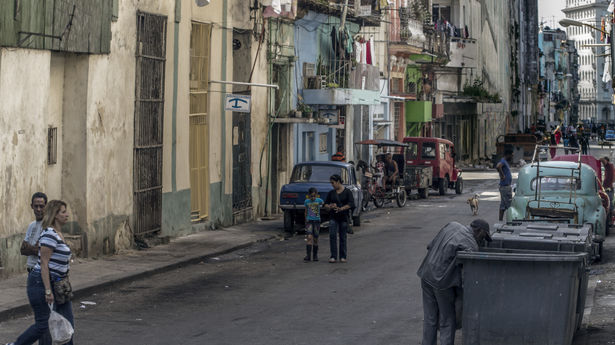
[(279, 8)]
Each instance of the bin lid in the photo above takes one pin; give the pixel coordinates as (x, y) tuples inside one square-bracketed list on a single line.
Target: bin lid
[(510, 255), (559, 232)]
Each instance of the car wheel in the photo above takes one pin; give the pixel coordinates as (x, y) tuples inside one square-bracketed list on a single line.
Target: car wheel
[(459, 185), (423, 193), (443, 186), (401, 198), (289, 222)]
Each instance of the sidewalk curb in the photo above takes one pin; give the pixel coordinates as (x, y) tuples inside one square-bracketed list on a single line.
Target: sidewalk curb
[(23, 310)]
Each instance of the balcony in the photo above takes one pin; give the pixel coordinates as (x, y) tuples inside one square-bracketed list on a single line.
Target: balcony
[(463, 52), (407, 38), (360, 11), (343, 82)]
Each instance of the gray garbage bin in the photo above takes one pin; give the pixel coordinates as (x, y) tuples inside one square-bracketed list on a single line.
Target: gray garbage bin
[(556, 237), (516, 297)]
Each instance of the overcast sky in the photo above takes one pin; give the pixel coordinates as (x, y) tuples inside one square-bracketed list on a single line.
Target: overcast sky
[(550, 12)]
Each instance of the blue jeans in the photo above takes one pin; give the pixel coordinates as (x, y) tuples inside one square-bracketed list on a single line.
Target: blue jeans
[(40, 329), (438, 313), (336, 227)]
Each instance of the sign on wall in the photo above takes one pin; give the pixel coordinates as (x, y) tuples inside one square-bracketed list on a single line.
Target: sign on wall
[(329, 117), (238, 103)]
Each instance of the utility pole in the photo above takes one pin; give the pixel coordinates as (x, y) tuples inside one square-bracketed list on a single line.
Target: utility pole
[(344, 13)]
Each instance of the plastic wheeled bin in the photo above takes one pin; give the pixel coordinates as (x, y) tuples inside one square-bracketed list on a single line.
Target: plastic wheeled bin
[(556, 237), (517, 297)]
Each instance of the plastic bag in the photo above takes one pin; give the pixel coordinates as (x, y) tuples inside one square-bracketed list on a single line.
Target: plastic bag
[(60, 328)]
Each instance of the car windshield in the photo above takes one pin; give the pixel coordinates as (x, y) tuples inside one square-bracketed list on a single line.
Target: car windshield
[(428, 151), (318, 173), (557, 183), (412, 151)]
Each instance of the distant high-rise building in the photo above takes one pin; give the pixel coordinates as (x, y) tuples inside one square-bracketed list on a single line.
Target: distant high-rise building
[(595, 101)]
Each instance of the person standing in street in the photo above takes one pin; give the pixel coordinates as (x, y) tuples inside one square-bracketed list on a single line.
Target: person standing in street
[(441, 277), (607, 181), (339, 203), (52, 268), (29, 246), (503, 168), (312, 224)]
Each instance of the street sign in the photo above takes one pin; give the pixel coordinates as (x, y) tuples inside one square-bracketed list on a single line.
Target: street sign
[(238, 103)]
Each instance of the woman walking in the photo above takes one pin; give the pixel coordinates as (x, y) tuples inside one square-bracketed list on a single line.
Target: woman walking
[(339, 203), (48, 276)]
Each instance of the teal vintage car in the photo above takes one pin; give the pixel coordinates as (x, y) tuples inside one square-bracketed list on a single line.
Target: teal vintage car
[(562, 192)]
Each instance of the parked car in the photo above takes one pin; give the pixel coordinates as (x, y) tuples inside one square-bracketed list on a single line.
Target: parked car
[(561, 192), (316, 174), (597, 166), (609, 135), (439, 154)]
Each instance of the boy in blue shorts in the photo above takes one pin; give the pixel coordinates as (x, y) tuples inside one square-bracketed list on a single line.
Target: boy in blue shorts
[(312, 223)]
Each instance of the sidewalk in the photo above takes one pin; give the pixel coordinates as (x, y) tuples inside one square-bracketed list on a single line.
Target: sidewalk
[(88, 276)]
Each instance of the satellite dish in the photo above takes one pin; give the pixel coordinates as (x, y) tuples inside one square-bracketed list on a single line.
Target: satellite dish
[(202, 3)]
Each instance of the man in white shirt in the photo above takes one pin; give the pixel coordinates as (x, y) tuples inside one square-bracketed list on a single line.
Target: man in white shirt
[(29, 247)]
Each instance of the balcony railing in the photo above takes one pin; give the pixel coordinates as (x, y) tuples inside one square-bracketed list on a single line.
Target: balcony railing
[(436, 42), (345, 74)]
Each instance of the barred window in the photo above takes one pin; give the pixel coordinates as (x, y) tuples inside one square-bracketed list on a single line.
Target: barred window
[(52, 145)]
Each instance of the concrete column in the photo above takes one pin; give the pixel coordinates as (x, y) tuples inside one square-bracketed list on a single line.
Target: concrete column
[(74, 144)]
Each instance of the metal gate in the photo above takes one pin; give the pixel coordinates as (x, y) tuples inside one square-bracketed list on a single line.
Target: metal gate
[(242, 178), (149, 109)]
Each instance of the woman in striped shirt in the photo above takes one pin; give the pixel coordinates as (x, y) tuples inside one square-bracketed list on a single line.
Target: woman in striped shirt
[(53, 264)]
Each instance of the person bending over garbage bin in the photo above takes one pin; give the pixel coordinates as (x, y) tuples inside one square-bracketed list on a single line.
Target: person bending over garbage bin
[(441, 277)]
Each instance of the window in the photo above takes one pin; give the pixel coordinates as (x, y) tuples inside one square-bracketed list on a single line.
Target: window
[(323, 147), (52, 145), (412, 151), (557, 183), (442, 151), (428, 151), (317, 173)]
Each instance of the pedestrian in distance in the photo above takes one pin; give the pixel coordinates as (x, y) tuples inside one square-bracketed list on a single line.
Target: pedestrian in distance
[(312, 224), (29, 246), (339, 155), (607, 181), (48, 275), (441, 277), (339, 203), (503, 168)]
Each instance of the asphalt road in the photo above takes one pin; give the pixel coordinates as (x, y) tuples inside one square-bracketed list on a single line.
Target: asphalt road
[(267, 295)]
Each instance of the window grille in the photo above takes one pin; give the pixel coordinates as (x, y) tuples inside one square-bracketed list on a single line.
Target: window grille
[(52, 145)]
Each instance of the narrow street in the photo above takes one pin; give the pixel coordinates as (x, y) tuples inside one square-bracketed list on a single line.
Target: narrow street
[(266, 294)]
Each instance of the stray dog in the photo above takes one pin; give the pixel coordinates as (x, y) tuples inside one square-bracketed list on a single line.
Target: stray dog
[(473, 201)]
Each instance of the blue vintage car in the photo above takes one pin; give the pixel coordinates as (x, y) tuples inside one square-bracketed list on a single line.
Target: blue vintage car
[(316, 174), (559, 191), (609, 135)]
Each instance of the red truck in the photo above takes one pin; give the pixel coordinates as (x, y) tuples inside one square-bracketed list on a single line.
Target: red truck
[(439, 154)]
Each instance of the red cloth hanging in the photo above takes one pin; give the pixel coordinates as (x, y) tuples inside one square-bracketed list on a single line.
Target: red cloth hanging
[(369, 53)]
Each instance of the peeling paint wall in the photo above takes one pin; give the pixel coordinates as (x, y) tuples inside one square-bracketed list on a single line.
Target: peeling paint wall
[(24, 91)]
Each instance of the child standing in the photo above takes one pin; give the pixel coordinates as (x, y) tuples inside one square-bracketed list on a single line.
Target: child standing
[(312, 223)]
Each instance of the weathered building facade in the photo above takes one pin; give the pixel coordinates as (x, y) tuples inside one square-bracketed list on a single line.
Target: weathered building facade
[(128, 123)]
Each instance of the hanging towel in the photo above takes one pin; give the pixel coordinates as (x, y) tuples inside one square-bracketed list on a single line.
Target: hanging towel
[(363, 52), (606, 76), (372, 50), (368, 53), (611, 7), (334, 43), (357, 51)]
